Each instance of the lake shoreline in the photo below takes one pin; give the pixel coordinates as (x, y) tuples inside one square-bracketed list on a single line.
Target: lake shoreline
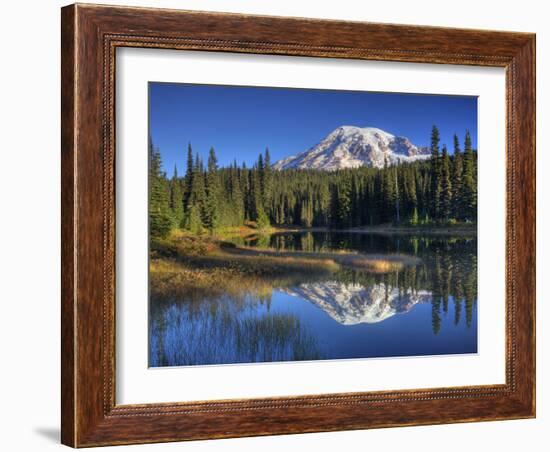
[(383, 230)]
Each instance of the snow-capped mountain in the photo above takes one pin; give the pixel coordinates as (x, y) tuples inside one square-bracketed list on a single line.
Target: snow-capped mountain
[(351, 147), (350, 304)]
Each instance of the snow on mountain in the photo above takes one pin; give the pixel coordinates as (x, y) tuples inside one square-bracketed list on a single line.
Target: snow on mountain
[(351, 147), (351, 304)]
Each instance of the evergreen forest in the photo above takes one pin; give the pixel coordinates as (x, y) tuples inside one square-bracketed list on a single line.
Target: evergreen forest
[(439, 191)]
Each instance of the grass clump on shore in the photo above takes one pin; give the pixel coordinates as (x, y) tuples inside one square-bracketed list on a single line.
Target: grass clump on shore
[(376, 263)]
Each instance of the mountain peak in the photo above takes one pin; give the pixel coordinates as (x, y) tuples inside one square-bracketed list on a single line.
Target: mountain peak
[(346, 129), (350, 147)]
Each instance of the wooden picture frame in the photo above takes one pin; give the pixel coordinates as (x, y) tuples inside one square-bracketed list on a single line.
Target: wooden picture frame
[(90, 36)]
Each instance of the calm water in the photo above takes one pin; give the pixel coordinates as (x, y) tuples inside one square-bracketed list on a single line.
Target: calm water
[(425, 309)]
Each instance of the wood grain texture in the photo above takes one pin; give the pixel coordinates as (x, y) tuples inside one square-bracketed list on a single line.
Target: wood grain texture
[(90, 36), (67, 226)]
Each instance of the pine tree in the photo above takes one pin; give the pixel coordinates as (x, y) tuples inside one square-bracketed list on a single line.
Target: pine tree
[(176, 199), (356, 210), (421, 183), (377, 199), (457, 180), (212, 193), (195, 209), (188, 179), (260, 168), (397, 208), (193, 221), (414, 217), (267, 184), (446, 196), (261, 217), (244, 185), (469, 180), (411, 196), (435, 174), (160, 218), (306, 211), (201, 187), (257, 212), (322, 205), (389, 194), (343, 202)]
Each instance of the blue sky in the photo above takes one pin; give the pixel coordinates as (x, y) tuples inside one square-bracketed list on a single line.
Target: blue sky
[(240, 122)]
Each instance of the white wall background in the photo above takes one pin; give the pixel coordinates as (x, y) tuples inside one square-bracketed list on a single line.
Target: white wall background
[(30, 212)]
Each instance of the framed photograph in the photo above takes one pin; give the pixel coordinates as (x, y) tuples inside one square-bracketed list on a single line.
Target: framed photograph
[(281, 225)]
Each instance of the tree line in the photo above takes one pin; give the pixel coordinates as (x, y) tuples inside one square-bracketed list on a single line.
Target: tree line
[(439, 190)]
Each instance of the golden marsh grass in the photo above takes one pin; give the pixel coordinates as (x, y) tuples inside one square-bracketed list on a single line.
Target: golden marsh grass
[(195, 266)]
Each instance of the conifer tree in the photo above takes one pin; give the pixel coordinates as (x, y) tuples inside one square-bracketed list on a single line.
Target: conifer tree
[(267, 184), (200, 175), (257, 212), (356, 210), (343, 202), (422, 184), (397, 208), (414, 217), (389, 194), (195, 209), (260, 169), (160, 218), (193, 221), (322, 206), (243, 180), (411, 195), (446, 196), (306, 210), (238, 188), (435, 173), (261, 217), (176, 199), (457, 180), (377, 200), (212, 205), (188, 179), (469, 183)]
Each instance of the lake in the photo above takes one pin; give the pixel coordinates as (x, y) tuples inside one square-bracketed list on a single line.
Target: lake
[(428, 307)]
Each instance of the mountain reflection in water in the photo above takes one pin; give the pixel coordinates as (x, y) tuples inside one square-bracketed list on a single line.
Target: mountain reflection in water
[(425, 309), (350, 304)]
